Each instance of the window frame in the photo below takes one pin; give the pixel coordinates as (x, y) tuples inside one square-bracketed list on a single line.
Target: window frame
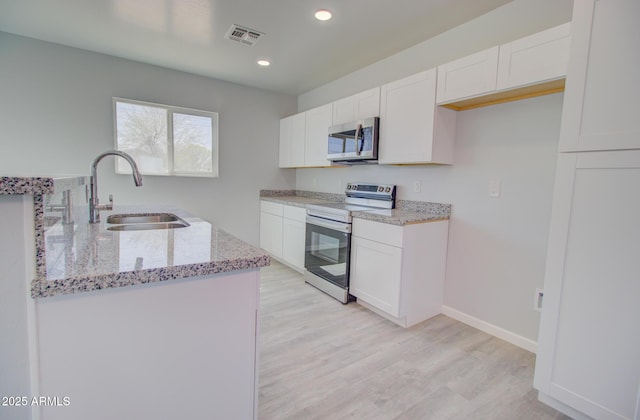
[(170, 111)]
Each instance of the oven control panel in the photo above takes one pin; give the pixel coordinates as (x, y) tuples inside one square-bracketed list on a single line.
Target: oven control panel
[(378, 191)]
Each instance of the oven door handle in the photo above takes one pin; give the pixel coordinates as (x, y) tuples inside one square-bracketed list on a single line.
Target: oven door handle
[(329, 224)]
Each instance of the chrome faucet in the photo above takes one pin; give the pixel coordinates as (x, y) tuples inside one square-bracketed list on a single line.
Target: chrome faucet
[(94, 202)]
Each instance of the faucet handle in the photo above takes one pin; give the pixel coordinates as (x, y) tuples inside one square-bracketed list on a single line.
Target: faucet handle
[(110, 205)]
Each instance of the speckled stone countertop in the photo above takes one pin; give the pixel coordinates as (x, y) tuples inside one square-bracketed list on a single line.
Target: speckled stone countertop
[(84, 257), (37, 185), (406, 211)]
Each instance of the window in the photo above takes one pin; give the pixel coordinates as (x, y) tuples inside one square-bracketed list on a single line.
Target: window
[(166, 140)]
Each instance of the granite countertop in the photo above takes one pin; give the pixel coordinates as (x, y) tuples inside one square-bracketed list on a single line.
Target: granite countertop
[(406, 212), (84, 257), (37, 185)]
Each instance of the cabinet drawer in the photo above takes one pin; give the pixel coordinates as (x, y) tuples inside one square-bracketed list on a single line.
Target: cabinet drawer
[(298, 214), (271, 207), (379, 232)]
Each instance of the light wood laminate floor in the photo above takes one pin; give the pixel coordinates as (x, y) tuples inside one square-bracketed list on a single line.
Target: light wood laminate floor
[(320, 359)]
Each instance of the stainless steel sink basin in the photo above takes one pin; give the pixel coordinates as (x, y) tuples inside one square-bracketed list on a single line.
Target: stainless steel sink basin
[(149, 226), (146, 221), (122, 219)]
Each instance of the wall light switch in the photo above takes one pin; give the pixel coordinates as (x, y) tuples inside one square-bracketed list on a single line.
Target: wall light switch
[(495, 188)]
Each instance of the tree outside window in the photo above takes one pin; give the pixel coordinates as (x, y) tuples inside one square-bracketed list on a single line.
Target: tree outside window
[(166, 140)]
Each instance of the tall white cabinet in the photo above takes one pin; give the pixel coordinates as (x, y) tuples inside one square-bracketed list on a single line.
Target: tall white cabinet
[(588, 360)]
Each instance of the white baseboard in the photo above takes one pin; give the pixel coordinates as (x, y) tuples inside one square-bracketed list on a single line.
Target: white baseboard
[(494, 330)]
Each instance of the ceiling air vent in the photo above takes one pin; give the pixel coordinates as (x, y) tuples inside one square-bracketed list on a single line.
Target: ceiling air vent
[(243, 35)]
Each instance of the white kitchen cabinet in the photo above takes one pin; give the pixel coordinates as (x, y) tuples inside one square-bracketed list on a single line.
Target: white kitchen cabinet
[(282, 232), (292, 141), (357, 107), (534, 59), (293, 236), (413, 130), (271, 227), (318, 121), (602, 97), (398, 271), (588, 363), (589, 342), (473, 75), (531, 66)]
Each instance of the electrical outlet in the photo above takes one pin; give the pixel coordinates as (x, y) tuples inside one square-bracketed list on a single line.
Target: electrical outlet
[(537, 300), (417, 186), (495, 188)]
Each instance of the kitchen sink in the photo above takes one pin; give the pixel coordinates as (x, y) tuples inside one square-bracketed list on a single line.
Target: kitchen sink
[(122, 219), (144, 221)]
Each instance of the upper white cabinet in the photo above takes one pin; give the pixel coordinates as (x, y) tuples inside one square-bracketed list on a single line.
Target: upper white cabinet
[(303, 138), (534, 59), (318, 122), (531, 66), (602, 100), (357, 107), (292, 141), (470, 76), (413, 130)]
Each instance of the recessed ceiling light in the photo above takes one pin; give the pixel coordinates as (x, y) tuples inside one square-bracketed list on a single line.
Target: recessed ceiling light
[(264, 63), (323, 14)]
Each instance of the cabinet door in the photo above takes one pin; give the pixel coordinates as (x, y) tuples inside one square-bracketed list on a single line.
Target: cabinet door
[(534, 59), (318, 121), (293, 236), (412, 130), (357, 107), (602, 98), (589, 345), (470, 76), (292, 141), (375, 274), (271, 233)]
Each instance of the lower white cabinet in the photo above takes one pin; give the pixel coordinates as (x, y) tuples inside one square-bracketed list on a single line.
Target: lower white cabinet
[(293, 236), (282, 232), (271, 227), (398, 271), (588, 359)]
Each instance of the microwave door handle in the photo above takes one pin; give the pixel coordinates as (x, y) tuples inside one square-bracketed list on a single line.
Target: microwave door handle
[(358, 131)]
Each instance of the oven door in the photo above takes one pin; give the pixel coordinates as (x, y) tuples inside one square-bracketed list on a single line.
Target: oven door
[(327, 250)]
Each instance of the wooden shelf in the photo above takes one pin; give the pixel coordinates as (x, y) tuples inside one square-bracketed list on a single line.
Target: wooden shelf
[(525, 92)]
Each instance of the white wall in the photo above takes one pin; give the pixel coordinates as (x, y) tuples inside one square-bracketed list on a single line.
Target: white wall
[(507, 23), (56, 116), (497, 246)]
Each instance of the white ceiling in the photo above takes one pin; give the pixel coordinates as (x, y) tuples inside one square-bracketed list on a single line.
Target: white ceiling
[(188, 35)]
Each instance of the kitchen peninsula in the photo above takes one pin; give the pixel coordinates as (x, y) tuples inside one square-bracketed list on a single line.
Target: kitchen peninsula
[(158, 323)]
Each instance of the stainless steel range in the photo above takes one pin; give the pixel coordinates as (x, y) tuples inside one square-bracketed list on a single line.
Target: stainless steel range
[(328, 232)]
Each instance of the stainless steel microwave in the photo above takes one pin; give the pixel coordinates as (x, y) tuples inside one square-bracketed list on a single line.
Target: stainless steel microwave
[(354, 141)]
